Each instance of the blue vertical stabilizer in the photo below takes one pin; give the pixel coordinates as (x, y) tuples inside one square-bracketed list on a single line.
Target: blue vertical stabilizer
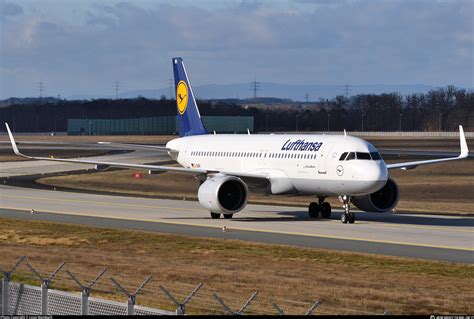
[(189, 119)]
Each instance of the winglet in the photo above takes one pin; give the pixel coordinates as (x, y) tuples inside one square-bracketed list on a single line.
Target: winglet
[(12, 140), (462, 140)]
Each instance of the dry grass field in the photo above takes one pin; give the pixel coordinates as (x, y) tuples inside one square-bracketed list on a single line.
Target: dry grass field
[(346, 283)]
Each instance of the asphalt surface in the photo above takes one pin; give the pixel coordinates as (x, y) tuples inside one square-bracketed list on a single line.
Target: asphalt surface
[(443, 238)]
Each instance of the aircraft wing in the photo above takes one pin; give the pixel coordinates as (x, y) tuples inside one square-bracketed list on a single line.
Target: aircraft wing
[(150, 168), (412, 165), (136, 146)]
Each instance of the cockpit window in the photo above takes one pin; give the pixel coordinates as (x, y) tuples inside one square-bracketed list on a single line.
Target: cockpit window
[(343, 156), (363, 156), (351, 156), (375, 156)]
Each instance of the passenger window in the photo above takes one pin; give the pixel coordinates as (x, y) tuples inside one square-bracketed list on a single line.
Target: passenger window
[(351, 156), (363, 156)]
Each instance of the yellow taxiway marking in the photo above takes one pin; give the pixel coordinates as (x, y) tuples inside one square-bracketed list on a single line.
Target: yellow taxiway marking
[(252, 229), (444, 228), (100, 203)]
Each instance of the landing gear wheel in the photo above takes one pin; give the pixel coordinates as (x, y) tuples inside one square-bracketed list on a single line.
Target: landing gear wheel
[(313, 210), (344, 218), (228, 216), (325, 208), (215, 215), (352, 218), (347, 216)]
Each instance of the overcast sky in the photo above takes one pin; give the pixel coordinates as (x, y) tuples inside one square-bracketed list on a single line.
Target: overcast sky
[(83, 46)]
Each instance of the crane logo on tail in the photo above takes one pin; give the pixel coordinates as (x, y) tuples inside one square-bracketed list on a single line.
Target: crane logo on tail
[(182, 97)]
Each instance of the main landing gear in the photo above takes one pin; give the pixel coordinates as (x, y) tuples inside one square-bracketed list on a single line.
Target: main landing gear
[(347, 216), (217, 215), (321, 207)]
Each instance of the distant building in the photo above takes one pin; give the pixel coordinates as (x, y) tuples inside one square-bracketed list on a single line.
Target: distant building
[(156, 125)]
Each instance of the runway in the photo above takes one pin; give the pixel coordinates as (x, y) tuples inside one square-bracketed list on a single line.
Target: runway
[(443, 238), (20, 168)]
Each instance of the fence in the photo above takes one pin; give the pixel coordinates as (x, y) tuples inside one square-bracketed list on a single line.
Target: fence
[(25, 299), (384, 134)]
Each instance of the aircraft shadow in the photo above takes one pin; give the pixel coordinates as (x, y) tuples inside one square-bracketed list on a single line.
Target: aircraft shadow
[(281, 216), (388, 218), (284, 216)]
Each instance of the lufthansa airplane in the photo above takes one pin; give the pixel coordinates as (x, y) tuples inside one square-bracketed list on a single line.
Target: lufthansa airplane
[(228, 166)]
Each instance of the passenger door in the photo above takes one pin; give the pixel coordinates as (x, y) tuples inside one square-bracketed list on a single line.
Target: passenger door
[(324, 154)]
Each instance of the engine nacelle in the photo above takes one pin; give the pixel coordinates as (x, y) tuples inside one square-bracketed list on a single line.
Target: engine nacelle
[(223, 194), (382, 200)]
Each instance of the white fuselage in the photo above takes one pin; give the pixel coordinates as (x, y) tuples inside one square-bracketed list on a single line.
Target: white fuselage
[(295, 164)]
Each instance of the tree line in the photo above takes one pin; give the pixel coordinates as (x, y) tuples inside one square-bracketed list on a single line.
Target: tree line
[(441, 109)]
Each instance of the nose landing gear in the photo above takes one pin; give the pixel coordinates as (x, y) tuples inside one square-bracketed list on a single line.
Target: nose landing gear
[(347, 216)]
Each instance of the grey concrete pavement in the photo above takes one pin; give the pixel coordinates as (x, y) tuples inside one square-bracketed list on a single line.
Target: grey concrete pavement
[(449, 238)]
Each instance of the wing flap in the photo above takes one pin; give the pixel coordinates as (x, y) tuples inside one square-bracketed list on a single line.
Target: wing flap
[(136, 146)]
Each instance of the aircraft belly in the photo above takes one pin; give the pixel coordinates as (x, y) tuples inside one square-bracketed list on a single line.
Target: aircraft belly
[(328, 187)]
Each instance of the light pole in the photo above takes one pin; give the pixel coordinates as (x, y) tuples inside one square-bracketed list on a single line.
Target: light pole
[(329, 115), (400, 125), (439, 122)]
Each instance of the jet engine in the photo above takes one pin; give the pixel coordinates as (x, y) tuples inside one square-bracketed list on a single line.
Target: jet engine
[(223, 194), (383, 200)]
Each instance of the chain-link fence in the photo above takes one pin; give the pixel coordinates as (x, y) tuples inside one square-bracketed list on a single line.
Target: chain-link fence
[(116, 298)]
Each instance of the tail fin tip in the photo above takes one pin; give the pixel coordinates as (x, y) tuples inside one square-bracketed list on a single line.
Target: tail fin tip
[(189, 119)]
